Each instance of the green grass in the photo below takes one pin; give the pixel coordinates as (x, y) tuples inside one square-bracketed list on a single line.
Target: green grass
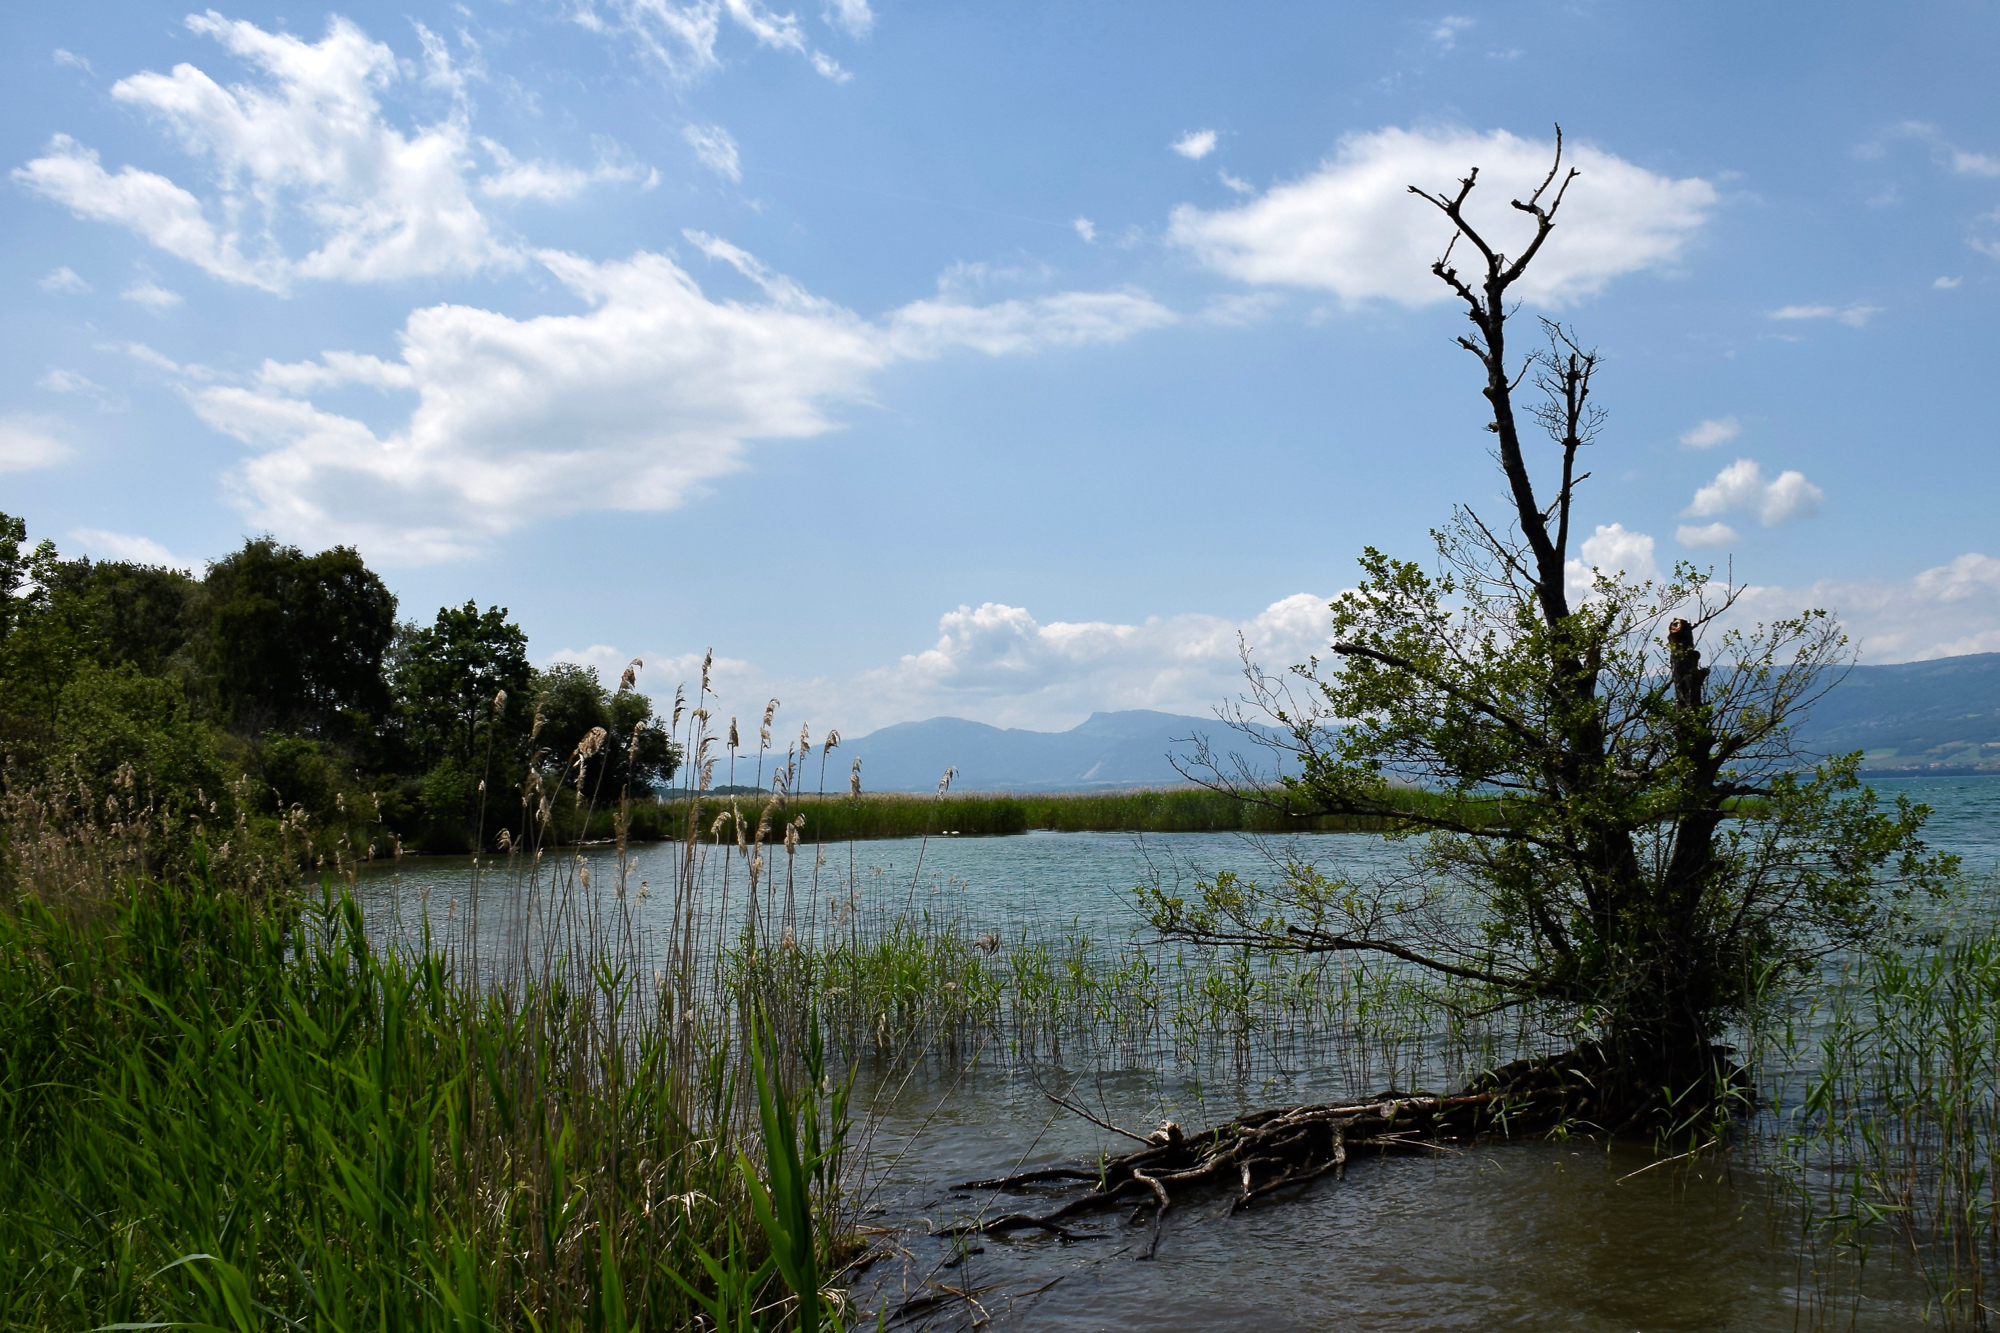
[(985, 814), (220, 1116)]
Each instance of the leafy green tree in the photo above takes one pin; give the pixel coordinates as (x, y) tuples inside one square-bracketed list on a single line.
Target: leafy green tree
[(297, 641), (46, 632), (1633, 841), (142, 614), (570, 704), (447, 678)]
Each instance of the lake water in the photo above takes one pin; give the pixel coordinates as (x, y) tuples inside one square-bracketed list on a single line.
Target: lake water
[(1541, 1236)]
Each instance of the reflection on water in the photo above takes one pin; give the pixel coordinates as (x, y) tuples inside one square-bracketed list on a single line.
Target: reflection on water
[(1543, 1236)]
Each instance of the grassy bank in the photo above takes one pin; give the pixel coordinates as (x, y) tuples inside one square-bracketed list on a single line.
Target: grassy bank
[(219, 1115), (985, 814)]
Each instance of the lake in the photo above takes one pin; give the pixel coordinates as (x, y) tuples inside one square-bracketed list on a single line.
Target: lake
[(1545, 1236)]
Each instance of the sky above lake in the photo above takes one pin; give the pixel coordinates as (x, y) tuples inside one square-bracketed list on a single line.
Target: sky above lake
[(1009, 362)]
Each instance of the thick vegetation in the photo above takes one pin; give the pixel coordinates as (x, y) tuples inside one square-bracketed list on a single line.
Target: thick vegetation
[(279, 695)]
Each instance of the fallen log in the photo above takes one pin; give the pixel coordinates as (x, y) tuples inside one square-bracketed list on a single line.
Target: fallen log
[(1283, 1148)]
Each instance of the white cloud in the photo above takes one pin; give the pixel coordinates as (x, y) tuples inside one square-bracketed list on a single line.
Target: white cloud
[(1942, 612), (555, 181), (152, 296), (1612, 550), (633, 404), (1086, 229), (312, 141), (1353, 228), (682, 34), (24, 446), (1708, 434), (1445, 31), (1854, 316), (853, 16), (715, 149), (997, 663), (1195, 144), (64, 280), (1946, 284), (1710, 534), (58, 380), (151, 205), (1742, 486), (1235, 183), (125, 546), (71, 59)]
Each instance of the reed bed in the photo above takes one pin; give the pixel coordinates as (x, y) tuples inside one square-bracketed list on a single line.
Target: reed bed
[(1881, 1101), (843, 818)]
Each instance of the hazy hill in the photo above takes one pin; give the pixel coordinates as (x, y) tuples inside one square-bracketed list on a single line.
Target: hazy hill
[(1914, 717)]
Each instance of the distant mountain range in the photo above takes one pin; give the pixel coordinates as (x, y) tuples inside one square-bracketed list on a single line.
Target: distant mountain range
[(1941, 716)]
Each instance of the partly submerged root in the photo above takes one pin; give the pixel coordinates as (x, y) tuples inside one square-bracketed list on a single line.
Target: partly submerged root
[(1284, 1148)]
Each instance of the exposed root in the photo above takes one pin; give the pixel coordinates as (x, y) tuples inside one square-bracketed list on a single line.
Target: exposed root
[(1284, 1148)]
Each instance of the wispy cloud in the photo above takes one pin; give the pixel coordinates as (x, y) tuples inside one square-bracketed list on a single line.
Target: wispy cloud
[(1742, 486), (71, 59), (1946, 284), (152, 296), (64, 280), (1086, 229), (1445, 31), (1352, 228), (1854, 316), (58, 380), (553, 182), (127, 546), (1708, 434), (682, 35), (715, 149), (1235, 183), (1195, 144)]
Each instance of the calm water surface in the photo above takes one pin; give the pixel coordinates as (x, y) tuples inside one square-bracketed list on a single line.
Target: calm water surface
[(1516, 1236)]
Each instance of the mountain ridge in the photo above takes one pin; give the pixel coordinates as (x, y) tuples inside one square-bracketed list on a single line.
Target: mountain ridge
[(1911, 718)]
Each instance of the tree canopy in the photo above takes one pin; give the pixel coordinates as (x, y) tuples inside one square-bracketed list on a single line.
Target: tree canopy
[(1632, 841)]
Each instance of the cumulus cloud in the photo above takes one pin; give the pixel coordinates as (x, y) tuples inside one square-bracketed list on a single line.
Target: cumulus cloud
[(1615, 551), (715, 149), (64, 280), (1742, 486), (1947, 611), (1086, 229), (1708, 434), (681, 35), (634, 403), (309, 141), (152, 296), (25, 446), (1853, 316), (1352, 228), (126, 546), (1195, 144), (999, 664), (1709, 534)]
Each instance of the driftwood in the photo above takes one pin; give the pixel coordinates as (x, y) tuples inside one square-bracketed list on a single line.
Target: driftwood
[(1277, 1150)]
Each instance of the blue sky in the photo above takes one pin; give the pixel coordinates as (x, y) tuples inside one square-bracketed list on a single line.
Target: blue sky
[(999, 361)]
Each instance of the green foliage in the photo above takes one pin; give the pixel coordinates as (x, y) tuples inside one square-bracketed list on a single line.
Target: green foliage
[(108, 719), (296, 641), (216, 1117), (570, 704), (449, 678)]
